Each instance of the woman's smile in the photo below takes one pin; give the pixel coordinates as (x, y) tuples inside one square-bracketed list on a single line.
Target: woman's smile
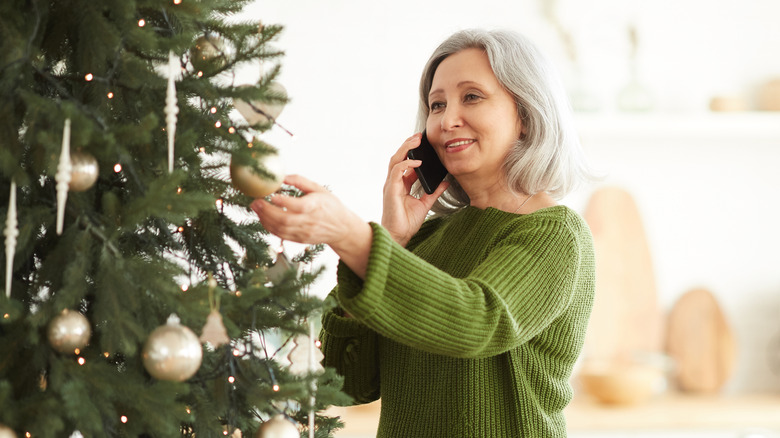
[(458, 144)]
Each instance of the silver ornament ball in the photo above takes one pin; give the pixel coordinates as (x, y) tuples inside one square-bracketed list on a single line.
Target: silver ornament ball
[(278, 427), (255, 185), (68, 331), (172, 352), (84, 172), (6, 432)]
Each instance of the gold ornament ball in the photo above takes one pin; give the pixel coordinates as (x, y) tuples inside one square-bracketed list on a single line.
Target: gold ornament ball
[(6, 432), (278, 427), (256, 185), (172, 352), (68, 331), (84, 173), (256, 112), (208, 53)]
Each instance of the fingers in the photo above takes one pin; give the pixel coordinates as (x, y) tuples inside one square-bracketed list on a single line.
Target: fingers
[(304, 184), (428, 200), (400, 155)]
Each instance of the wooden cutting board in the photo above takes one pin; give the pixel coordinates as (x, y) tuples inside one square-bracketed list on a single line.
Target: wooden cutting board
[(700, 342), (627, 322)]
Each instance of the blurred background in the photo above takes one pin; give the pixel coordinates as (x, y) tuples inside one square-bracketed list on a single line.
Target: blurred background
[(678, 107)]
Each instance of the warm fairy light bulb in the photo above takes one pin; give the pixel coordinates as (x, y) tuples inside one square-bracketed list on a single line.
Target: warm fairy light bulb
[(276, 388), (231, 379), (238, 293), (200, 74), (232, 130), (218, 124), (123, 418), (77, 351), (213, 110), (141, 23), (6, 316), (88, 77), (82, 361), (236, 352), (189, 411), (181, 230), (317, 343), (110, 95), (176, 2), (106, 354), (249, 145), (117, 167), (202, 149), (219, 202), (185, 287), (28, 434), (178, 191), (224, 432)]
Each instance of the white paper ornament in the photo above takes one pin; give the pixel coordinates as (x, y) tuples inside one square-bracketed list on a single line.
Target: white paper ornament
[(11, 233), (214, 331), (255, 185), (172, 352), (280, 267), (305, 357), (62, 177), (278, 427), (68, 331), (256, 112), (6, 432)]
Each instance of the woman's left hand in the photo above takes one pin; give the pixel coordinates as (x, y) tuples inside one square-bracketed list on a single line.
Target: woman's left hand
[(317, 217)]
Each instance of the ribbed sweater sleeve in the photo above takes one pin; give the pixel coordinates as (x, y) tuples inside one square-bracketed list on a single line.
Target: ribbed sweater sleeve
[(517, 286)]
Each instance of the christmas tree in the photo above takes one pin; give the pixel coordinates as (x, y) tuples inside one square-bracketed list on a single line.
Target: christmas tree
[(141, 298)]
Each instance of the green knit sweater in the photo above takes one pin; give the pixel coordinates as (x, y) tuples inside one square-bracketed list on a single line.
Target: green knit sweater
[(472, 330)]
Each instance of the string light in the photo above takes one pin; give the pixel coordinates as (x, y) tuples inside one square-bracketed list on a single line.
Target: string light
[(218, 124), (200, 74), (6, 316), (123, 418), (106, 354), (231, 379), (184, 287), (238, 293), (77, 351), (82, 361), (181, 229), (117, 167), (88, 77), (141, 23), (178, 191), (276, 388), (232, 130), (317, 343), (236, 353), (28, 434), (213, 110), (202, 149), (219, 203), (176, 2), (189, 411), (249, 145), (110, 95)]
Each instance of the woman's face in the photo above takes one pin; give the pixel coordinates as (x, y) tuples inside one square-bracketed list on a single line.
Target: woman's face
[(473, 120)]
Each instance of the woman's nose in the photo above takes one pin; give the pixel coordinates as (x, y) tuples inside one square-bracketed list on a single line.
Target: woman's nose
[(451, 118)]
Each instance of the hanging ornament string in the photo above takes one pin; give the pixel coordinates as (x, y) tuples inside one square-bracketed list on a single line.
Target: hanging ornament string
[(64, 169), (171, 107), (214, 332), (11, 233)]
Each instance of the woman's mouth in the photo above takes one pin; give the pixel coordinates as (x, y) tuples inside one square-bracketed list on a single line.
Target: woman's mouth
[(458, 144)]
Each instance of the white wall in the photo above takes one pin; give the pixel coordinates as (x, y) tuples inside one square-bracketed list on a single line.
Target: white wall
[(352, 69)]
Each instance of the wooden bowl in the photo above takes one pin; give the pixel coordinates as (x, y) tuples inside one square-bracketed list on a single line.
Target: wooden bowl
[(621, 384)]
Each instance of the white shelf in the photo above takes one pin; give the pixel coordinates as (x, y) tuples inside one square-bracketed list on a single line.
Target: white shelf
[(747, 126)]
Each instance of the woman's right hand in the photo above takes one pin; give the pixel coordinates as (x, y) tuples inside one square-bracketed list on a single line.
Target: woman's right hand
[(402, 213)]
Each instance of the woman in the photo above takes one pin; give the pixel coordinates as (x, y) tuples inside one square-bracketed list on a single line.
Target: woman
[(467, 324)]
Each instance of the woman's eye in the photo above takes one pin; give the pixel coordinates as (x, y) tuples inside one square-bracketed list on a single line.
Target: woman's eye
[(437, 106), (471, 97)]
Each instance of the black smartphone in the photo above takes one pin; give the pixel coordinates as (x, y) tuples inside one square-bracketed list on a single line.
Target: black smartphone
[(431, 172)]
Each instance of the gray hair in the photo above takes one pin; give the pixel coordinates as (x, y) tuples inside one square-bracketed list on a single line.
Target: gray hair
[(548, 158)]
